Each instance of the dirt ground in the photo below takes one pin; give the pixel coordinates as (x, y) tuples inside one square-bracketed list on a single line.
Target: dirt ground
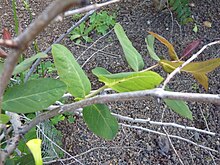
[(135, 146)]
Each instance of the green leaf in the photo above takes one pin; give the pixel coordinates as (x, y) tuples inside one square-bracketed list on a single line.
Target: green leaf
[(9, 162), (98, 71), (100, 121), (4, 118), (132, 56), (171, 50), (71, 119), (179, 107), (150, 47), (28, 136), (128, 81), (33, 96), (70, 71), (26, 159), (26, 64), (56, 119), (195, 29), (75, 36)]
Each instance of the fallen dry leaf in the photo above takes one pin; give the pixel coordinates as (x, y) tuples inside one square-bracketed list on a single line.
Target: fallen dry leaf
[(207, 24)]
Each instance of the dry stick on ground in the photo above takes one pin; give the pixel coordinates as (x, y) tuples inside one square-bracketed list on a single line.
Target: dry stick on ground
[(91, 150), (95, 49), (22, 41), (171, 136), (194, 56), (89, 58), (94, 44), (170, 141)]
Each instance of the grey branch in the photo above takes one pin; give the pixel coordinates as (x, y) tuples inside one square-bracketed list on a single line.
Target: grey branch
[(171, 136), (137, 95), (148, 121)]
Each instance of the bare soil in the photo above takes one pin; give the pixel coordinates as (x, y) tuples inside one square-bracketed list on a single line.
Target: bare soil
[(133, 146)]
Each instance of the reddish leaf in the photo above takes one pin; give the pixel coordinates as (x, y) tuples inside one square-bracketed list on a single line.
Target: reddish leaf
[(6, 34), (190, 47), (3, 54)]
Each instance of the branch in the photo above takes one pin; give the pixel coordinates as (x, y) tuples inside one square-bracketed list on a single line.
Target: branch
[(171, 136), (12, 143), (89, 8), (177, 70), (148, 121), (158, 92)]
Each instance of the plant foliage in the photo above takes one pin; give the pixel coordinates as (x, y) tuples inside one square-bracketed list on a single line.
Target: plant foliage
[(198, 69), (181, 8), (70, 72), (100, 121), (99, 22), (132, 56), (33, 96)]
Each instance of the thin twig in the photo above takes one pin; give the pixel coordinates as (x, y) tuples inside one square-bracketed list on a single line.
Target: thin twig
[(87, 60), (51, 141), (103, 52), (148, 121), (171, 136), (94, 44), (89, 8), (168, 137)]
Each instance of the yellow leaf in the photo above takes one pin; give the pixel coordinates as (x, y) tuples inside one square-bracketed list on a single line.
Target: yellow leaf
[(170, 47), (202, 79), (169, 66), (35, 147), (202, 67)]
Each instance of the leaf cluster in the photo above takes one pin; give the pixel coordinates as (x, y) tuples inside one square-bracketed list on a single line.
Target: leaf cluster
[(181, 8), (37, 95), (98, 22)]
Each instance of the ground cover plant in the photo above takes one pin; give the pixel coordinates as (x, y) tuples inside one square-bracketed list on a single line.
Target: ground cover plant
[(140, 82)]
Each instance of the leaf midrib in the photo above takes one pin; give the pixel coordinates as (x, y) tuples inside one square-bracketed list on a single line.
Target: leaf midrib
[(31, 95)]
